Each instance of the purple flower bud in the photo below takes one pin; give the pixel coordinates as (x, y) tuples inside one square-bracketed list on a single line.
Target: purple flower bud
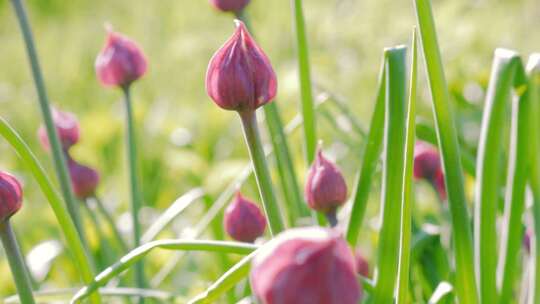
[(83, 179), (527, 240), (325, 186), (67, 127), (439, 185), (240, 76), (10, 196), (234, 6), (427, 161), (243, 220), (362, 265), (120, 62), (305, 266)]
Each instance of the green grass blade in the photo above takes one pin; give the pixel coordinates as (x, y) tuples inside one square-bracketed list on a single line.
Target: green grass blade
[(406, 214), (487, 172), (512, 227), (369, 163), (228, 280), (172, 212), (69, 230), (307, 106), (140, 252), (533, 69), (392, 192), (446, 133)]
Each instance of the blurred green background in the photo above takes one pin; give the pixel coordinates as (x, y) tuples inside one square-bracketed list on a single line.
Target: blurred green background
[(185, 140)]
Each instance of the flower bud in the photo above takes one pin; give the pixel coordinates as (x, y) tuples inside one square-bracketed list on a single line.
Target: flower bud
[(243, 220), (120, 62), (67, 127), (240, 76), (234, 6), (527, 236), (84, 180), (362, 265), (427, 161), (10, 196), (439, 185), (325, 186), (305, 266)]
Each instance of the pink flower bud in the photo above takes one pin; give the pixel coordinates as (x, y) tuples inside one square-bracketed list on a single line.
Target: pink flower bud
[(243, 220), (325, 186), (10, 196), (427, 161), (234, 6), (438, 184), (362, 265), (240, 76), (527, 240), (67, 127), (120, 62), (83, 179), (305, 266)]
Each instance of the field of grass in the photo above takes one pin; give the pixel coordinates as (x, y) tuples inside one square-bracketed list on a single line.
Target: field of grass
[(187, 142)]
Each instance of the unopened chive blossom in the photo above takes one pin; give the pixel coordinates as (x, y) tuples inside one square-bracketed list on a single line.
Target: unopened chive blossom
[(11, 203), (243, 220), (427, 166), (362, 265), (234, 6), (121, 61), (67, 127), (306, 266), (83, 179), (325, 189)]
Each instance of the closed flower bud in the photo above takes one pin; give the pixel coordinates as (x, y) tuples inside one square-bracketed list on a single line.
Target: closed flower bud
[(120, 62), (10, 196), (325, 186), (527, 236), (240, 76), (439, 185), (362, 265), (427, 161), (305, 266), (234, 6), (84, 180), (67, 127), (243, 220)]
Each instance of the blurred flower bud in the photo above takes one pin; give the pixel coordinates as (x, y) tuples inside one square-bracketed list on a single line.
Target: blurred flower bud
[(527, 236), (439, 185), (67, 127), (240, 76), (120, 62), (325, 186), (427, 161), (243, 220), (83, 179), (234, 6), (362, 265), (10, 196), (305, 266)]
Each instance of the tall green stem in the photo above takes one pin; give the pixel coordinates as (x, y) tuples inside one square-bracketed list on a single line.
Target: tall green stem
[(16, 263), (262, 175), (56, 148), (133, 183), (110, 221)]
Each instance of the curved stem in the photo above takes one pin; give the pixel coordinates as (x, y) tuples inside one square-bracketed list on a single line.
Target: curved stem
[(16, 263), (133, 182), (262, 175)]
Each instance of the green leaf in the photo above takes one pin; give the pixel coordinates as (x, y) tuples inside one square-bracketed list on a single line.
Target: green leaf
[(446, 133), (138, 253), (394, 160)]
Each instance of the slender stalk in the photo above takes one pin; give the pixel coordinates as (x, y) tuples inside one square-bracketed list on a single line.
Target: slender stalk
[(111, 222), (307, 106), (16, 263), (56, 148), (65, 222), (262, 175), (136, 200), (465, 282)]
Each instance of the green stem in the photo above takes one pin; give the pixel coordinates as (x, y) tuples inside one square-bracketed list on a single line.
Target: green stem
[(136, 200), (262, 175), (110, 221), (16, 263), (308, 108), (56, 148)]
